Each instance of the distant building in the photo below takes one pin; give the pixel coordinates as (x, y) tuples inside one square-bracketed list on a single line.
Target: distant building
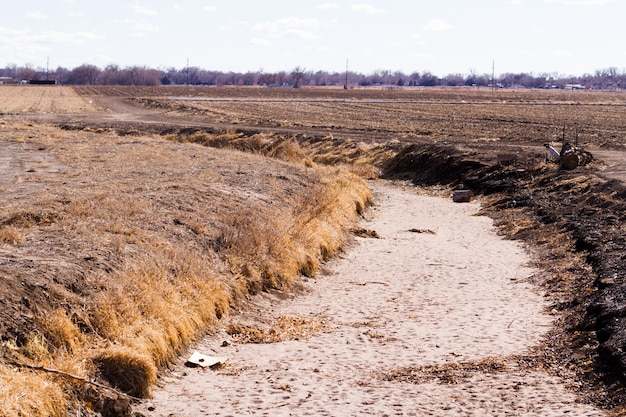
[(574, 87), (42, 82)]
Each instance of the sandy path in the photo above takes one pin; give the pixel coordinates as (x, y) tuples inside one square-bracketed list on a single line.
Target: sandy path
[(455, 297)]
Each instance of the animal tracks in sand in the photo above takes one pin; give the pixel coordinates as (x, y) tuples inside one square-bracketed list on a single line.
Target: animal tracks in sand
[(410, 324)]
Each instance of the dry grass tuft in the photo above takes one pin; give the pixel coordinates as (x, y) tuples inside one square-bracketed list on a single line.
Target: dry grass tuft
[(447, 373), (127, 370), (11, 235), (367, 233), (26, 393), (61, 333), (423, 231), (27, 219)]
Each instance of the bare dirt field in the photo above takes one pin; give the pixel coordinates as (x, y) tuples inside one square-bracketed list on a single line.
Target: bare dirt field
[(109, 192)]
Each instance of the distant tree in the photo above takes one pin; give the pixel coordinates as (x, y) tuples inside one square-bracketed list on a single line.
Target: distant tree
[(27, 73), (84, 74), (9, 71), (144, 76), (428, 80), (454, 80), (250, 78), (61, 75), (297, 74)]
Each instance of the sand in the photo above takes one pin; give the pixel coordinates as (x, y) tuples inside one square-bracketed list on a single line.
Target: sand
[(440, 298)]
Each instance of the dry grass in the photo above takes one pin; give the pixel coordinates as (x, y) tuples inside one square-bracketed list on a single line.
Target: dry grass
[(150, 243), (452, 373), (25, 393), (11, 235), (282, 329)]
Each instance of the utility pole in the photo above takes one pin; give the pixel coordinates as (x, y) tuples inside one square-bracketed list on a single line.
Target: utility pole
[(493, 75), (187, 71), (345, 86), (47, 68)]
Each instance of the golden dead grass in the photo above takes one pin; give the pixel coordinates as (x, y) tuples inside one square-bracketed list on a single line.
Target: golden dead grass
[(150, 243), (10, 235), (29, 394)]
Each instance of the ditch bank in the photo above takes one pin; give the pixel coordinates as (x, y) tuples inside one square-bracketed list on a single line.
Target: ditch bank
[(573, 220)]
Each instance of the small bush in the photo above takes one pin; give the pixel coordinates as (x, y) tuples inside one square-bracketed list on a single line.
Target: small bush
[(127, 370)]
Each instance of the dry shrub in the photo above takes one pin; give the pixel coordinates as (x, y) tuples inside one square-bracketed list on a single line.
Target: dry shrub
[(29, 219), (10, 235), (365, 170), (127, 370), (26, 393), (36, 349), (61, 333), (286, 150)]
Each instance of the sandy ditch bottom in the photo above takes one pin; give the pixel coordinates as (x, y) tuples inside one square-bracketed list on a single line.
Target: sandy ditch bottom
[(429, 319)]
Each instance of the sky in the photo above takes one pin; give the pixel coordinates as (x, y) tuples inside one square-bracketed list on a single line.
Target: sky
[(564, 37)]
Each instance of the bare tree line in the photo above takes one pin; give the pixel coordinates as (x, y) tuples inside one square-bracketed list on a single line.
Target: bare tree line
[(87, 74)]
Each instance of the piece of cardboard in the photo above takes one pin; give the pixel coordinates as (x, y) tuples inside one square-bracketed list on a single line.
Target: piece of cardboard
[(205, 361)]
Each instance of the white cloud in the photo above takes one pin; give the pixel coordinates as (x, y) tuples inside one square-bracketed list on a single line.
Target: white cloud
[(328, 6), (36, 14), (139, 28), (423, 57), (564, 54), (288, 22), (367, 8), (209, 8), (302, 34), (26, 45), (437, 25), (67, 37), (260, 42), (144, 11), (418, 39), (515, 2), (581, 2), (285, 28)]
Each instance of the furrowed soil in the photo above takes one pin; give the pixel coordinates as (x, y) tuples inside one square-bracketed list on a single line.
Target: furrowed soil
[(97, 141)]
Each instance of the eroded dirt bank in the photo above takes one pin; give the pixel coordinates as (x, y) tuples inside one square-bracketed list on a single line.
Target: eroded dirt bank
[(574, 221)]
